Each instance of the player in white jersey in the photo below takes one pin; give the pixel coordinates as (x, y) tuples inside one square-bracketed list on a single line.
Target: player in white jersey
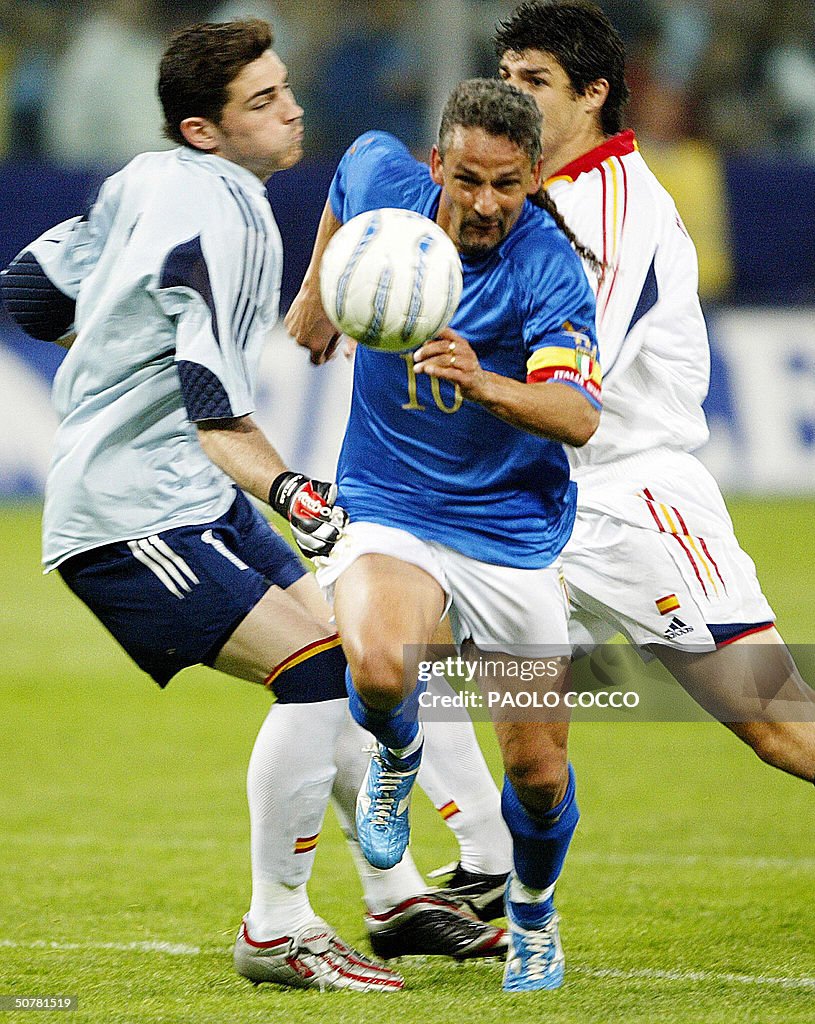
[(653, 554), (169, 286)]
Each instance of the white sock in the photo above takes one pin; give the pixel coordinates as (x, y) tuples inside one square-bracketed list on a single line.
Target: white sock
[(382, 890), (277, 910), (455, 776), (291, 772)]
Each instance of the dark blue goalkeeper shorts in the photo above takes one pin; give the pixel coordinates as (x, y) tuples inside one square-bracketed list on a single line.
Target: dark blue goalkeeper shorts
[(174, 599)]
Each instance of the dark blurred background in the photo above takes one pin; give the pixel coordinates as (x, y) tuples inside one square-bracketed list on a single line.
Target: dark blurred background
[(723, 103)]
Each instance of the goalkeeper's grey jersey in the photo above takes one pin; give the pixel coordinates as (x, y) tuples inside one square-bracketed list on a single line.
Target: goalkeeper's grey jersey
[(176, 276)]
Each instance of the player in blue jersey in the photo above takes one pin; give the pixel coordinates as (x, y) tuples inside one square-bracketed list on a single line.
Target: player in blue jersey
[(642, 495), (456, 481), (164, 295)]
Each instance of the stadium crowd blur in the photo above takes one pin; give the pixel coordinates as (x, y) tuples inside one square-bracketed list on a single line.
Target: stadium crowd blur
[(731, 73), (709, 79)]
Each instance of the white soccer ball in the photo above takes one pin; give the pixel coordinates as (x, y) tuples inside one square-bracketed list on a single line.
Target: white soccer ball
[(391, 279)]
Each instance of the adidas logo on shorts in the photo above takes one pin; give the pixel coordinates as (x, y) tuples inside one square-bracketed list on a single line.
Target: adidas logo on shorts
[(677, 628)]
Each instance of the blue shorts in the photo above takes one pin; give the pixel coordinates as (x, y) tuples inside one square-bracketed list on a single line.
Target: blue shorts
[(173, 599)]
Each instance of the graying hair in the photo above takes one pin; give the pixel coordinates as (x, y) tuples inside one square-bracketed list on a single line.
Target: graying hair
[(497, 108)]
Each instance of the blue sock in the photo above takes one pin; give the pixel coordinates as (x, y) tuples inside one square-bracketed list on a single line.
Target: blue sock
[(540, 843), (396, 728)]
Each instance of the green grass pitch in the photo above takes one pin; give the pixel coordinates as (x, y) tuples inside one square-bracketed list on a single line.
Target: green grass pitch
[(124, 864)]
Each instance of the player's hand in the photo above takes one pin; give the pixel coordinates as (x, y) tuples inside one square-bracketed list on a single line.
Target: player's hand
[(307, 323), (451, 357), (316, 522)]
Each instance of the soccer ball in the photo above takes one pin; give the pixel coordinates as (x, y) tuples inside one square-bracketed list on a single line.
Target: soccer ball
[(391, 279)]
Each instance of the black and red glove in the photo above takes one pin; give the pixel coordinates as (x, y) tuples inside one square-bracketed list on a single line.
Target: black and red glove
[(308, 505)]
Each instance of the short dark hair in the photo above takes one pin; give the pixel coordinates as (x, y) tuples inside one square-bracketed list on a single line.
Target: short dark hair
[(199, 64), (497, 108), (582, 40)]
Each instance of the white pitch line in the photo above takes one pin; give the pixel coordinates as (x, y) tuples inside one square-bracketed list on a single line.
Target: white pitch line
[(612, 973), (170, 948)]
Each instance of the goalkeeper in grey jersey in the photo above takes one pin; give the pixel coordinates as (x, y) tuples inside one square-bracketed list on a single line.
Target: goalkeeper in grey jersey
[(165, 293)]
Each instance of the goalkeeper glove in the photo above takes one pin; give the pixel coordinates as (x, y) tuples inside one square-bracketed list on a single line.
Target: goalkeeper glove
[(316, 523)]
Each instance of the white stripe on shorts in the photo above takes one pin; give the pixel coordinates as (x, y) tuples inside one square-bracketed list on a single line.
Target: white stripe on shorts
[(153, 567), (208, 538), (177, 560), (166, 569)]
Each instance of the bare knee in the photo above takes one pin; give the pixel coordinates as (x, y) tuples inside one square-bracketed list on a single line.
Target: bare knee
[(539, 782), (378, 674)]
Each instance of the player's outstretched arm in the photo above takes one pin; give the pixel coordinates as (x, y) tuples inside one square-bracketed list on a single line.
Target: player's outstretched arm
[(36, 305), (306, 320), (39, 287), (556, 411), (241, 449)]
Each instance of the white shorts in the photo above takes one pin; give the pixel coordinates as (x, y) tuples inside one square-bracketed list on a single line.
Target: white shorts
[(499, 607), (653, 555)]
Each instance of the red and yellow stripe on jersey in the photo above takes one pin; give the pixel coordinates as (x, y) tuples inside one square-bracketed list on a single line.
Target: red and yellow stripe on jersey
[(614, 183), (618, 145), (670, 521), (575, 362)]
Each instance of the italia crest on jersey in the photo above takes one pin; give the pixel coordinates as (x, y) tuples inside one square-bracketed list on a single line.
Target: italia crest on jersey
[(585, 351), (575, 364), (585, 356)]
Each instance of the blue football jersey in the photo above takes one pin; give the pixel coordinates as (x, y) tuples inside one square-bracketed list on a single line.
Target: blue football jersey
[(416, 455)]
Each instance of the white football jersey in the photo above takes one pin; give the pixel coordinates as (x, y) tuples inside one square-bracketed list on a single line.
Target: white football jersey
[(653, 340), (176, 275)]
